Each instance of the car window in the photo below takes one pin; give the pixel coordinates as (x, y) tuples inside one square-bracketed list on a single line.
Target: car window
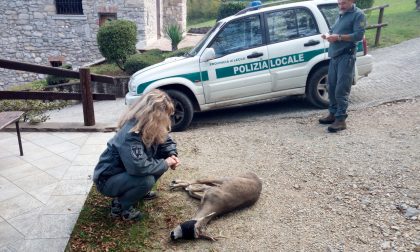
[(238, 35), (306, 23), (289, 24), (330, 13), (200, 44)]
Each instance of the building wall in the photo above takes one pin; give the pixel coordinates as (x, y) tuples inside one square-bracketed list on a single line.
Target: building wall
[(32, 32), (175, 11), (150, 23)]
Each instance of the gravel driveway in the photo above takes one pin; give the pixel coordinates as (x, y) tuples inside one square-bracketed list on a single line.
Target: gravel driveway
[(357, 190)]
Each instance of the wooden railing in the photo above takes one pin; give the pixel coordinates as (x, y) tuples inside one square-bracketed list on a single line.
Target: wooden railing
[(379, 25), (84, 75)]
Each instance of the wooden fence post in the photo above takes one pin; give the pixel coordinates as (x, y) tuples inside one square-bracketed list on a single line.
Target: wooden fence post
[(378, 30), (87, 99)]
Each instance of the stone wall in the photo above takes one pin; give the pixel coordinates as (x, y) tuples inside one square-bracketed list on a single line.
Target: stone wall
[(175, 11), (32, 32)]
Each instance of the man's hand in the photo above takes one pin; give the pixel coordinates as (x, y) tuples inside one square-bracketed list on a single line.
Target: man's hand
[(330, 37), (172, 161)]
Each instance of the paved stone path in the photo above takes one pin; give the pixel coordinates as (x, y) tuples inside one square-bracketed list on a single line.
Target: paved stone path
[(43, 192)]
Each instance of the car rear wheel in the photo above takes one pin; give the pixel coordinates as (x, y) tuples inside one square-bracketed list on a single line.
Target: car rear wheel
[(184, 110), (317, 89)]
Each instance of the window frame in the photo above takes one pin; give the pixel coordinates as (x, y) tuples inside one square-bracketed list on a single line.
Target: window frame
[(323, 14), (62, 3), (222, 28)]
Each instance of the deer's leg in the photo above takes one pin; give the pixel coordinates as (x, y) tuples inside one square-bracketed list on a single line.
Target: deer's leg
[(211, 181), (197, 190), (196, 195), (178, 184)]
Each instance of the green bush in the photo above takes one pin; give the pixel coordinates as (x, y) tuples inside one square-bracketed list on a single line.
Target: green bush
[(107, 69), (364, 4), (34, 109), (139, 61), (177, 53), (174, 32), (117, 41), (54, 80), (202, 10), (229, 8)]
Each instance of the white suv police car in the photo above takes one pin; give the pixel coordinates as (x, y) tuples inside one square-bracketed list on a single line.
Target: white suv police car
[(260, 53)]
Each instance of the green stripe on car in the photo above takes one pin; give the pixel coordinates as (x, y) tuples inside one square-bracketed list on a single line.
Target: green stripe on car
[(193, 77), (267, 64)]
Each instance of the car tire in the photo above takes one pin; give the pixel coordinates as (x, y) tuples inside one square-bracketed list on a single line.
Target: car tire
[(317, 89), (184, 110)]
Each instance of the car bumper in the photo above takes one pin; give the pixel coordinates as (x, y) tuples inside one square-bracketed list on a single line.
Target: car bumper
[(364, 65), (130, 98)]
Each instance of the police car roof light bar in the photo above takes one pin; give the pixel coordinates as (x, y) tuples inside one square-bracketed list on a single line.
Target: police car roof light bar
[(252, 8)]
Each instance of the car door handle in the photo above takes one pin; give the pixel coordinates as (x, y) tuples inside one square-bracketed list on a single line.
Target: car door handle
[(255, 55), (312, 42)]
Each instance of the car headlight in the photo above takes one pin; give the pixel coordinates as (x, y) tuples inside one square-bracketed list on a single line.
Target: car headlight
[(131, 85)]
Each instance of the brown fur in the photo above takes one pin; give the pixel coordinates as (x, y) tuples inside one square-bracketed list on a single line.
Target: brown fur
[(220, 196)]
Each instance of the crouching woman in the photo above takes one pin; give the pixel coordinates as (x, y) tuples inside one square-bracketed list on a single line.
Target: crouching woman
[(139, 153)]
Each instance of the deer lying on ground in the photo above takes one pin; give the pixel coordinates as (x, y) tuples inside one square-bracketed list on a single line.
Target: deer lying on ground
[(218, 196)]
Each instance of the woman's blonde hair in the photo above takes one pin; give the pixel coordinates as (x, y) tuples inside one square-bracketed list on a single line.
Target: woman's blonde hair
[(152, 114)]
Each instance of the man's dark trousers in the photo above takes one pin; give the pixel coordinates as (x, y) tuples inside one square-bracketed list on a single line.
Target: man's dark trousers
[(340, 79)]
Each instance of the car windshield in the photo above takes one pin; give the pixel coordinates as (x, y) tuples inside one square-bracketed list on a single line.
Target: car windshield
[(200, 44)]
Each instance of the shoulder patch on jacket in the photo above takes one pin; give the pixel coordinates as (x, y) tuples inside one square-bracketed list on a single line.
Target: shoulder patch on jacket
[(137, 151)]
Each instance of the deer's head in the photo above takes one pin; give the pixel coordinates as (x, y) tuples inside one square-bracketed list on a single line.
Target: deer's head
[(186, 230), (191, 229)]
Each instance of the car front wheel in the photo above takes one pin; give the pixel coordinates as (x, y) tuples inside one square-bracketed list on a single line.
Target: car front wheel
[(183, 110), (317, 89)]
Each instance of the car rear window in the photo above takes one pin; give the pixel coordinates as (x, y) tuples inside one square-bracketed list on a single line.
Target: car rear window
[(330, 13)]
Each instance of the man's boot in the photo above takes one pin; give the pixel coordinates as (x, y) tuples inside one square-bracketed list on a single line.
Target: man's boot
[(339, 124), (327, 120)]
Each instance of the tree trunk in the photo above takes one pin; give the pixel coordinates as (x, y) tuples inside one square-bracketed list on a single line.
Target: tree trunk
[(174, 47)]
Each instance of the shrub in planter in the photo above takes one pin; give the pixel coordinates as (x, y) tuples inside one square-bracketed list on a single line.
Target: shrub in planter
[(229, 8), (174, 32), (139, 61), (117, 41), (54, 80)]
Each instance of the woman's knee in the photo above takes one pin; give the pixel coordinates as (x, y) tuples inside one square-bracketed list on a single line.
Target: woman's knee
[(149, 181)]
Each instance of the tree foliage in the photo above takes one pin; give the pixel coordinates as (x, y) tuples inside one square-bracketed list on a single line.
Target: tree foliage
[(364, 4), (229, 8), (117, 41)]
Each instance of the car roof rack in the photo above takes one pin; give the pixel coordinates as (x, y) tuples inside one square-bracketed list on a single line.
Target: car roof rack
[(252, 8)]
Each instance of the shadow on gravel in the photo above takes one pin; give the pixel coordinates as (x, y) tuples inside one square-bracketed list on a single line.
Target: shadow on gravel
[(292, 106)]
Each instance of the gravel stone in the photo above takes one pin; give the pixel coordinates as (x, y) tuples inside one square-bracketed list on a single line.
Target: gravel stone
[(315, 183)]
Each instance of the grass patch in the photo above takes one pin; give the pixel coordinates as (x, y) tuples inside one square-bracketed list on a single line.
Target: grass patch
[(34, 86), (107, 69), (96, 231), (198, 23), (403, 22)]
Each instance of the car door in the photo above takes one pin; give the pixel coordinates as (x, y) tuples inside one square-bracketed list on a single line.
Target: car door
[(240, 68), (294, 46)]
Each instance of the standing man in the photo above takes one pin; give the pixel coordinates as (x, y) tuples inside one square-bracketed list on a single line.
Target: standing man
[(345, 33)]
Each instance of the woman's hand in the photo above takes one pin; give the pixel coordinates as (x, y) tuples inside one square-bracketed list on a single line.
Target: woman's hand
[(172, 161)]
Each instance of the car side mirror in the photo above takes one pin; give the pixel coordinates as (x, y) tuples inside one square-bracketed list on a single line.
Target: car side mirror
[(207, 55)]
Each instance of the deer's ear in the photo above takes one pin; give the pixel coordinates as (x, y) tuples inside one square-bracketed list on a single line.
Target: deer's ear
[(203, 235), (197, 232), (208, 215)]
